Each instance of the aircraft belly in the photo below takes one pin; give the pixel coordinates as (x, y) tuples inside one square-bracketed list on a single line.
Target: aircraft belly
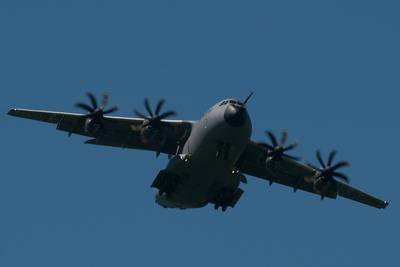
[(202, 174), (201, 184)]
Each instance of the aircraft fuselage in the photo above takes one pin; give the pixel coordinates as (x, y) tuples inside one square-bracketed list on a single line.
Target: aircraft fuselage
[(206, 164)]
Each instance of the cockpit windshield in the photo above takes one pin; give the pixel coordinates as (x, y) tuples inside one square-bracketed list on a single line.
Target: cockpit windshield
[(235, 102)]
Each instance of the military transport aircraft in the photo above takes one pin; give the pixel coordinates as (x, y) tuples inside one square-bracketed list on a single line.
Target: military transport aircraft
[(207, 158)]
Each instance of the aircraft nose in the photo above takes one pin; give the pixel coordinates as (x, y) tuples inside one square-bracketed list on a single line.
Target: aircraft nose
[(235, 115)]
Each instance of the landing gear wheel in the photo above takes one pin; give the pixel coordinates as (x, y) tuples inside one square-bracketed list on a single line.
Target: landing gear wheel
[(224, 199)]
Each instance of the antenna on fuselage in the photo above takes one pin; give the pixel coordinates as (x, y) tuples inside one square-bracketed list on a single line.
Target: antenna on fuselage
[(248, 98)]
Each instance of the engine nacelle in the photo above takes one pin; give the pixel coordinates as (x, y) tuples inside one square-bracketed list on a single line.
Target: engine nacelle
[(149, 134), (92, 126), (323, 185)]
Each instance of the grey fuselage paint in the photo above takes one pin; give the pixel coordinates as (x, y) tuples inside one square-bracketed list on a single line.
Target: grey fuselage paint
[(206, 164)]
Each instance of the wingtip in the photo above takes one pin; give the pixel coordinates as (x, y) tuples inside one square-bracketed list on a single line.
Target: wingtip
[(385, 203), (11, 111)]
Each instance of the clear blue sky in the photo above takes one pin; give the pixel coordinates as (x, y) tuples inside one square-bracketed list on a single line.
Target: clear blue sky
[(328, 71)]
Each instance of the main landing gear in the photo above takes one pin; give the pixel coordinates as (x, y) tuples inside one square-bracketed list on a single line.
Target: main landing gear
[(166, 183), (227, 197)]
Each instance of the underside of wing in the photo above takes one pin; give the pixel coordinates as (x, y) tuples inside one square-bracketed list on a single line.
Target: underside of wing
[(289, 172), (347, 191), (286, 171), (114, 131)]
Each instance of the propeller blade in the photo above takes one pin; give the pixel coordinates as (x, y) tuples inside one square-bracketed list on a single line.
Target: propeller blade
[(159, 106), (148, 108), (312, 166), (104, 101), (167, 114), (341, 176), (283, 138), (340, 165), (111, 110), (85, 107), (320, 159), (140, 114), (268, 146), (92, 100), (331, 157), (272, 138), (290, 147)]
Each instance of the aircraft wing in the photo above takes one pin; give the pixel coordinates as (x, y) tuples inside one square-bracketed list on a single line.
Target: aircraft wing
[(121, 132), (296, 175)]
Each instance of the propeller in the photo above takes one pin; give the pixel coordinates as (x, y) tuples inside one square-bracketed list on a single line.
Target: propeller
[(94, 110), (151, 127), (329, 171), (154, 118), (277, 149)]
